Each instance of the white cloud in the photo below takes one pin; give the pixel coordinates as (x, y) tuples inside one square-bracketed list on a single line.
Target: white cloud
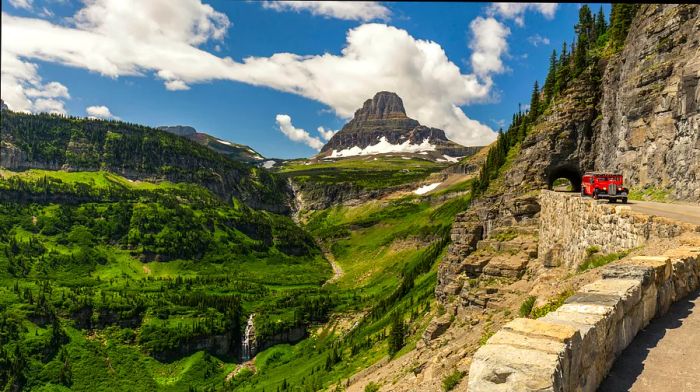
[(24, 4), (348, 10), (102, 112), (516, 11), (537, 40), (297, 134), (488, 44), (176, 85), (23, 89), (106, 38), (326, 134)]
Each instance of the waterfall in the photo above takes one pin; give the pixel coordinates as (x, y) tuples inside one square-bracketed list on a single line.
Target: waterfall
[(248, 339)]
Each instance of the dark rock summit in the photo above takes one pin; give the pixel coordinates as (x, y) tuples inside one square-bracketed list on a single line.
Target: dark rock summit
[(384, 116)]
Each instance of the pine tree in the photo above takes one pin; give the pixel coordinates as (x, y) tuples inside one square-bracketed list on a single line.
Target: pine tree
[(396, 335), (551, 80), (584, 27), (535, 102), (621, 16), (581, 55), (600, 24), (562, 70)]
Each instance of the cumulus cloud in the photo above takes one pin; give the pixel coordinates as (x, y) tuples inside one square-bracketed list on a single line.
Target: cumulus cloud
[(326, 134), (104, 37), (348, 10), (23, 89), (24, 4), (284, 122), (516, 11), (102, 112), (488, 44), (537, 40)]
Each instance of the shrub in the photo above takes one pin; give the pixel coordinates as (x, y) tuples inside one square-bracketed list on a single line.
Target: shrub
[(595, 260), (372, 387), (451, 381), (486, 336), (552, 305), (526, 306)]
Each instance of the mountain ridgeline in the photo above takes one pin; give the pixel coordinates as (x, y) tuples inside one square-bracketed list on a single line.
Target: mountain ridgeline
[(235, 151), (44, 141)]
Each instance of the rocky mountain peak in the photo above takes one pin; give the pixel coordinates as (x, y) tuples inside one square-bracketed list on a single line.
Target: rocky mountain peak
[(382, 126), (383, 105)]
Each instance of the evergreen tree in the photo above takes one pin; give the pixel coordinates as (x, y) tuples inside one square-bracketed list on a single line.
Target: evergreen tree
[(581, 55), (396, 334), (585, 26), (551, 80), (600, 25), (621, 16), (562, 76), (535, 102)]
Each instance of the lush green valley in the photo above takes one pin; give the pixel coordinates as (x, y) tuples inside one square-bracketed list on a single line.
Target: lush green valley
[(147, 282), (120, 273)]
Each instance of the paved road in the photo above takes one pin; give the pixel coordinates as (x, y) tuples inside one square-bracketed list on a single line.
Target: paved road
[(663, 357), (682, 212)]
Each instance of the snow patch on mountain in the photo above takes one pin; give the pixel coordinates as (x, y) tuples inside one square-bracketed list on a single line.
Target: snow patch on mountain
[(426, 188), (384, 147)]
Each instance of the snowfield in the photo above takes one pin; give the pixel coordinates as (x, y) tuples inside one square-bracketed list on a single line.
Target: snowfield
[(384, 147), (426, 188)]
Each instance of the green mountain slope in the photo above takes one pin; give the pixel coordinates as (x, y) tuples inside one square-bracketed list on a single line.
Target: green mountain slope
[(113, 284), (134, 151)]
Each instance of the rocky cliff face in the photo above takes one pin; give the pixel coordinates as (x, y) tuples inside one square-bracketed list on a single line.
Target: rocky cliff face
[(385, 117), (642, 120), (650, 128)]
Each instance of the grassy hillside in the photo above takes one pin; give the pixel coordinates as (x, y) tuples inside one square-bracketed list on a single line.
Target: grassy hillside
[(366, 172), (130, 285)]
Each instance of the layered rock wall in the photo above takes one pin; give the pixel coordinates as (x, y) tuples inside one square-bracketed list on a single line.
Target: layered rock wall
[(574, 347), (650, 125), (570, 226)]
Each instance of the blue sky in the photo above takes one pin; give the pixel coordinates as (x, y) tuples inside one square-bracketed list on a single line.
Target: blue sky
[(58, 68)]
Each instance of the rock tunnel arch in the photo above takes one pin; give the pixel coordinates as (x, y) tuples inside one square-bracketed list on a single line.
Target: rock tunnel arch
[(569, 172)]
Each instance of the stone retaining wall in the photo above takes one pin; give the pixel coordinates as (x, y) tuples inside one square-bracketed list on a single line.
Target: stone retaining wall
[(574, 347), (569, 225)]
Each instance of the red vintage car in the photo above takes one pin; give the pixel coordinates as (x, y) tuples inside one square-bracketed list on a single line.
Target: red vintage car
[(602, 185)]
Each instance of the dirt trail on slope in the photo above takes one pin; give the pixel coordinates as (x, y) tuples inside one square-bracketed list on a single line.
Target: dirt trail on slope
[(337, 269)]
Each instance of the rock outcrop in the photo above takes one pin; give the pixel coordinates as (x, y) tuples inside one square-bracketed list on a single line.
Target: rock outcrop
[(383, 118), (650, 127)]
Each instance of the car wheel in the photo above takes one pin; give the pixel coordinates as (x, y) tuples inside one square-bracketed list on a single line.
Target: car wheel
[(595, 194), (613, 200), (624, 200)]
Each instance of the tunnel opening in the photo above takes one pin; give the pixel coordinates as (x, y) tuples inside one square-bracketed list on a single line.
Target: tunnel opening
[(564, 178)]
